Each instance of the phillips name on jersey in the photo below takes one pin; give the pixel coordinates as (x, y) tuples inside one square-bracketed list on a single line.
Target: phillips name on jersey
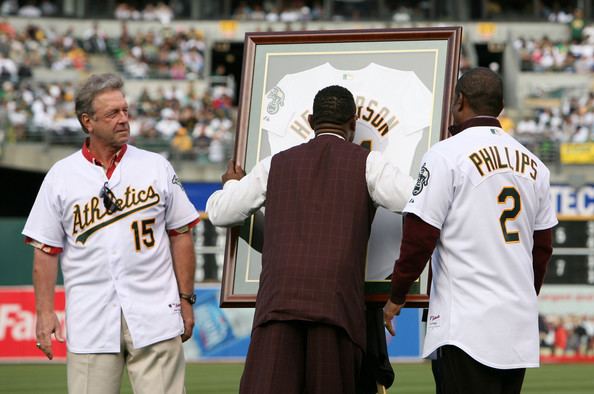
[(489, 159)]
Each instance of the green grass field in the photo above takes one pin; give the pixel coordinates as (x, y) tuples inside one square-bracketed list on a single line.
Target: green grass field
[(224, 379)]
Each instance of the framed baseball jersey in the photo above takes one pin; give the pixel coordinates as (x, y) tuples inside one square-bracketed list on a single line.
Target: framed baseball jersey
[(402, 81)]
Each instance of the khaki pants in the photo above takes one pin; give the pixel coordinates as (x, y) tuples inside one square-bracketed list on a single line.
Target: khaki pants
[(154, 369)]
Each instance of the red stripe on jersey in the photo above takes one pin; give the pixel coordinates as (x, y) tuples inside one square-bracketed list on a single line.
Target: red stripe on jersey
[(53, 250), (183, 229)]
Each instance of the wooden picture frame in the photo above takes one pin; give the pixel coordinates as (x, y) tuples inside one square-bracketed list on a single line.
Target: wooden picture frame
[(413, 70)]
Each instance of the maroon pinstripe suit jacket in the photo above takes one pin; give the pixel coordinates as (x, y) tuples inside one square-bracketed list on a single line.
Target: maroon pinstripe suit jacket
[(317, 224)]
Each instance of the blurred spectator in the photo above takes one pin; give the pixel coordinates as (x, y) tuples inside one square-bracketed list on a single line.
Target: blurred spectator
[(560, 338), (202, 142), (402, 15), (124, 11), (181, 144), (48, 8), (216, 150), (9, 7), (168, 125), (95, 39), (7, 30), (576, 26), (8, 68), (160, 12), (30, 10)]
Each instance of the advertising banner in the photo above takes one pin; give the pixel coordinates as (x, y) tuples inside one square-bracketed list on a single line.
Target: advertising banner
[(17, 324), (578, 153), (570, 201), (223, 334), (219, 334)]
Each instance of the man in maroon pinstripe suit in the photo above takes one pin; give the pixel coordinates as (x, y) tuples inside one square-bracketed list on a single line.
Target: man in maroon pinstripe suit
[(320, 198)]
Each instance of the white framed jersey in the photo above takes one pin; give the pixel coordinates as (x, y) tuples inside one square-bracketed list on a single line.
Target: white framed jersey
[(393, 107), (487, 194)]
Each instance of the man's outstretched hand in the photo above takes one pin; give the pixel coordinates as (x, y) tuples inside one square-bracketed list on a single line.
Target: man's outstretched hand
[(234, 171)]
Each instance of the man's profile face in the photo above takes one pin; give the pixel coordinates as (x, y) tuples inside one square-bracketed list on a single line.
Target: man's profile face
[(110, 123)]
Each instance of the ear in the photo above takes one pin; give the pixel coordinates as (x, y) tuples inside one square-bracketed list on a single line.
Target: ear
[(85, 119), (310, 121), (459, 102), (353, 122)]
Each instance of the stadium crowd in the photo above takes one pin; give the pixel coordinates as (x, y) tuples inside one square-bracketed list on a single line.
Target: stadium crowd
[(575, 54), (193, 126), (180, 124), (162, 54), (572, 121), (33, 46), (544, 129)]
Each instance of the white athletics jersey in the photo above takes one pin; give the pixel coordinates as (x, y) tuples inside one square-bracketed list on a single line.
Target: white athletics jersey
[(487, 194), (114, 262), (393, 107)]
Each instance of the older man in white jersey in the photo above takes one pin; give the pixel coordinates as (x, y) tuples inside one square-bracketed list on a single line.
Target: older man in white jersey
[(482, 206), (118, 219)]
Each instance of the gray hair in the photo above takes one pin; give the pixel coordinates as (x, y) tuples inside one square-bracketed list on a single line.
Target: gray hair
[(95, 84)]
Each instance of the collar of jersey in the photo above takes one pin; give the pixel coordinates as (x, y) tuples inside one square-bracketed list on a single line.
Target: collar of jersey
[(477, 121), (330, 133), (92, 159)]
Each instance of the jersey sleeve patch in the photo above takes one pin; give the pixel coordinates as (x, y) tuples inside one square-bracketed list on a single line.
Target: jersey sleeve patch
[(276, 100), (176, 181), (422, 180)]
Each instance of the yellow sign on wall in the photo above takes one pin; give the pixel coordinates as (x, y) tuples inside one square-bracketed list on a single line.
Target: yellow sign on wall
[(582, 153), (486, 30)]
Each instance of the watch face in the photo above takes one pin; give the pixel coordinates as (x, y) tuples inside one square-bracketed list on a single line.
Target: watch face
[(192, 299)]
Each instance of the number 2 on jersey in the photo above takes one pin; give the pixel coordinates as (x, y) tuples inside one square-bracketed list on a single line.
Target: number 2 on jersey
[(506, 193), (143, 232)]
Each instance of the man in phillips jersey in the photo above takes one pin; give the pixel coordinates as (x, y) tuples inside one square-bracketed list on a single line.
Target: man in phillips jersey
[(482, 205), (119, 220)]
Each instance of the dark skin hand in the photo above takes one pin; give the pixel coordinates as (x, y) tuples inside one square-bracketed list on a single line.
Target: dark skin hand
[(234, 171)]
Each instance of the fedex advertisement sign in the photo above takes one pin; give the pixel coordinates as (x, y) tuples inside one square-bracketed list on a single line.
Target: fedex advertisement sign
[(17, 324)]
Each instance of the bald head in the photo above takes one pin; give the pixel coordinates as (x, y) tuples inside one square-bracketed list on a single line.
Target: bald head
[(483, 90)]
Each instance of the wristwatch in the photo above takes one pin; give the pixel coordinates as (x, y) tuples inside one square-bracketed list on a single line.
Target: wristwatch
[(191, 298)]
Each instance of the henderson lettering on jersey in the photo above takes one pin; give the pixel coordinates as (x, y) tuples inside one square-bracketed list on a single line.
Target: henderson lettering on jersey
[(368, 111), (85, 218), (301, 125), (489, 159)]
